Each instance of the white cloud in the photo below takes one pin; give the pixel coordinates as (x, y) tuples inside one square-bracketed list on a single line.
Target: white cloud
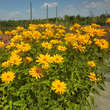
[(91, 5), (17, 15), (70, 10), (87, 8), (75, 10), (50, 5), (99, 5), (12, 15)]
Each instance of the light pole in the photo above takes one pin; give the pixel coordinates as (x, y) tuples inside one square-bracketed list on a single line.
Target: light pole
[(31, 11), (56, 12), (47, 13)]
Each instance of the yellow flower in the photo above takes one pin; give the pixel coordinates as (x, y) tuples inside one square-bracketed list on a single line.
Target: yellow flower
[(32, 27), (100, 32), (46, 45), (15, 60), (91, 63), (36, 35), (93, 77), (1, 32), (53, 42), (19, 28), (62, 48), (7, 76), (58, 35), (48, 33), (61, 31), (5, 64), (36, 72), (95, 25), (2, 44), (83, 39), (58, 87), (57, 58), (17, 38), (77, 25), (108, 20), (70, 38), (44, 59), (24, 47), (27, 33), (7, 32), (15, 52), (11, 45), (27, 38), (79, 47), (28, 60), (102, 43), (13, 32), (46, 66), (89, 42), (90, 30)]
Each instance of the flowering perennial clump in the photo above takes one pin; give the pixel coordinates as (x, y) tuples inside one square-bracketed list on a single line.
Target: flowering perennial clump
[(49, 66)]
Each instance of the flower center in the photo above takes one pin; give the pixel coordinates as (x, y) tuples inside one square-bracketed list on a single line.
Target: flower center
[(58, 85)]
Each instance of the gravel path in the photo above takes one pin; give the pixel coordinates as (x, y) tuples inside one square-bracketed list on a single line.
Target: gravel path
[(103, 102)]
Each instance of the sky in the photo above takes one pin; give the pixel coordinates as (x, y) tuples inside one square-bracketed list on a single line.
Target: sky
[(19, 9)]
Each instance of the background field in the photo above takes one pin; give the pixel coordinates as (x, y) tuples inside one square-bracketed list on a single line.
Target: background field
[(66, 20)]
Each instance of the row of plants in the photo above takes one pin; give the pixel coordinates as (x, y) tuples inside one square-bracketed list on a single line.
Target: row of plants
[(52, 67)]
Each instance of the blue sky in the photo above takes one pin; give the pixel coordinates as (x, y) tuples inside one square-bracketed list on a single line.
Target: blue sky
[(19, 9)]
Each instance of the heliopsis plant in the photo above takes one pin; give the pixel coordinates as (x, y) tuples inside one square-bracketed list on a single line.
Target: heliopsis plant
[(51, 67), (108, 20), (91, 63), (93, 77), (57, 58), (44, 59), (36, 72), (1, 32), (46, 45), (28, 60), (58, 86), (61, 48), (2, 44), (7, 77)]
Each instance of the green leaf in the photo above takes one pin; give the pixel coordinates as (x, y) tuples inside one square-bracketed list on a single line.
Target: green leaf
[(100, 87), (6, 107), (10, 102), (76, 106), (18, 103), (92, 100), (94, 91)]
